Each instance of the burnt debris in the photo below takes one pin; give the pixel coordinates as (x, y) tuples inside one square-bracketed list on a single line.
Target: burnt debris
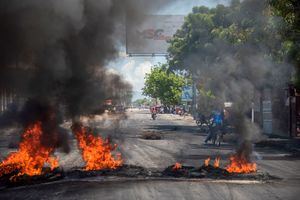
[(132, 171), (151, 135)]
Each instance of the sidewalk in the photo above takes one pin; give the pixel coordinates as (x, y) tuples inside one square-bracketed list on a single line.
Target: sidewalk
[(288, 144)]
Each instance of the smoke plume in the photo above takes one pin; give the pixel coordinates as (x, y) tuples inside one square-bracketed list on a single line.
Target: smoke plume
[(54, 53), (239, 73)]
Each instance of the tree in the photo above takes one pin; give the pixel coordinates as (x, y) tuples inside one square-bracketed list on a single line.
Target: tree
[(238, 31), (232, 51), (193, 38), (163, 84), (289, 10)]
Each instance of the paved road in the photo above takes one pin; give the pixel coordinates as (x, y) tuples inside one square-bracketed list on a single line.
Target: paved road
[(181, 142)]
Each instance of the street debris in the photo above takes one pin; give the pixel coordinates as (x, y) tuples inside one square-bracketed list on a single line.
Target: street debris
[(151, 135), (131, 171)]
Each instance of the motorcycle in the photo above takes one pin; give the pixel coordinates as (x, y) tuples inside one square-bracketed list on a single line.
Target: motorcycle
[(153, 115), (215, 133), (203, 123)]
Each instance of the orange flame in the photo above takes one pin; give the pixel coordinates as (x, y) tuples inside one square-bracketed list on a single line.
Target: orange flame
[(31, 156), (96, 152), (177, 166), (217, 162), (239, 164), (206, 162)]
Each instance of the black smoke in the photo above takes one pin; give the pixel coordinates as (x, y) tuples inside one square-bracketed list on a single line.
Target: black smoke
[(54, 53)]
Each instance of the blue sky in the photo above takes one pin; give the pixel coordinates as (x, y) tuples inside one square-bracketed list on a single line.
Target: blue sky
[(133, 69)]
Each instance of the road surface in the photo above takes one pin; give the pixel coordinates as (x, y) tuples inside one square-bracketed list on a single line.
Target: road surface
[(181, 142)]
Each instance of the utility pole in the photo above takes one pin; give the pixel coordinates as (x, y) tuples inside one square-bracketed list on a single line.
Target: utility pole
[(252, 112), (2, 100), (194, 101)]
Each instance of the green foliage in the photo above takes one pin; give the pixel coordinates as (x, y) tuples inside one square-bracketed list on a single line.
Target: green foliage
[(207, 93), (238, 26), (194, 36), (286, 9), (164, 84), (289, 10)]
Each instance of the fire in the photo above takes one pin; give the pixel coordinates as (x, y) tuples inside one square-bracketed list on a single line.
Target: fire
[(217, 162), (31, 156), (239, 164), (206, 162), (177, 166), (96, 152)]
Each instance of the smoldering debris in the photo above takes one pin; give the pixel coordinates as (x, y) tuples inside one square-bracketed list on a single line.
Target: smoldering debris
[(151, 135), (186, 173)]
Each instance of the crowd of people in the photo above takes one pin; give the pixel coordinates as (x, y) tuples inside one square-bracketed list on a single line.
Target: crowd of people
[(169, 110)]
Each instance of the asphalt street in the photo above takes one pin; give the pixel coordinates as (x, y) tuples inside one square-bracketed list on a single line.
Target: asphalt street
[(181, 142)]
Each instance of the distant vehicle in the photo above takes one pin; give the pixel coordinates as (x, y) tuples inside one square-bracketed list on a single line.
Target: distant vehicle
[(179, 110), (153, 111), (154, 115), (119, 109)]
